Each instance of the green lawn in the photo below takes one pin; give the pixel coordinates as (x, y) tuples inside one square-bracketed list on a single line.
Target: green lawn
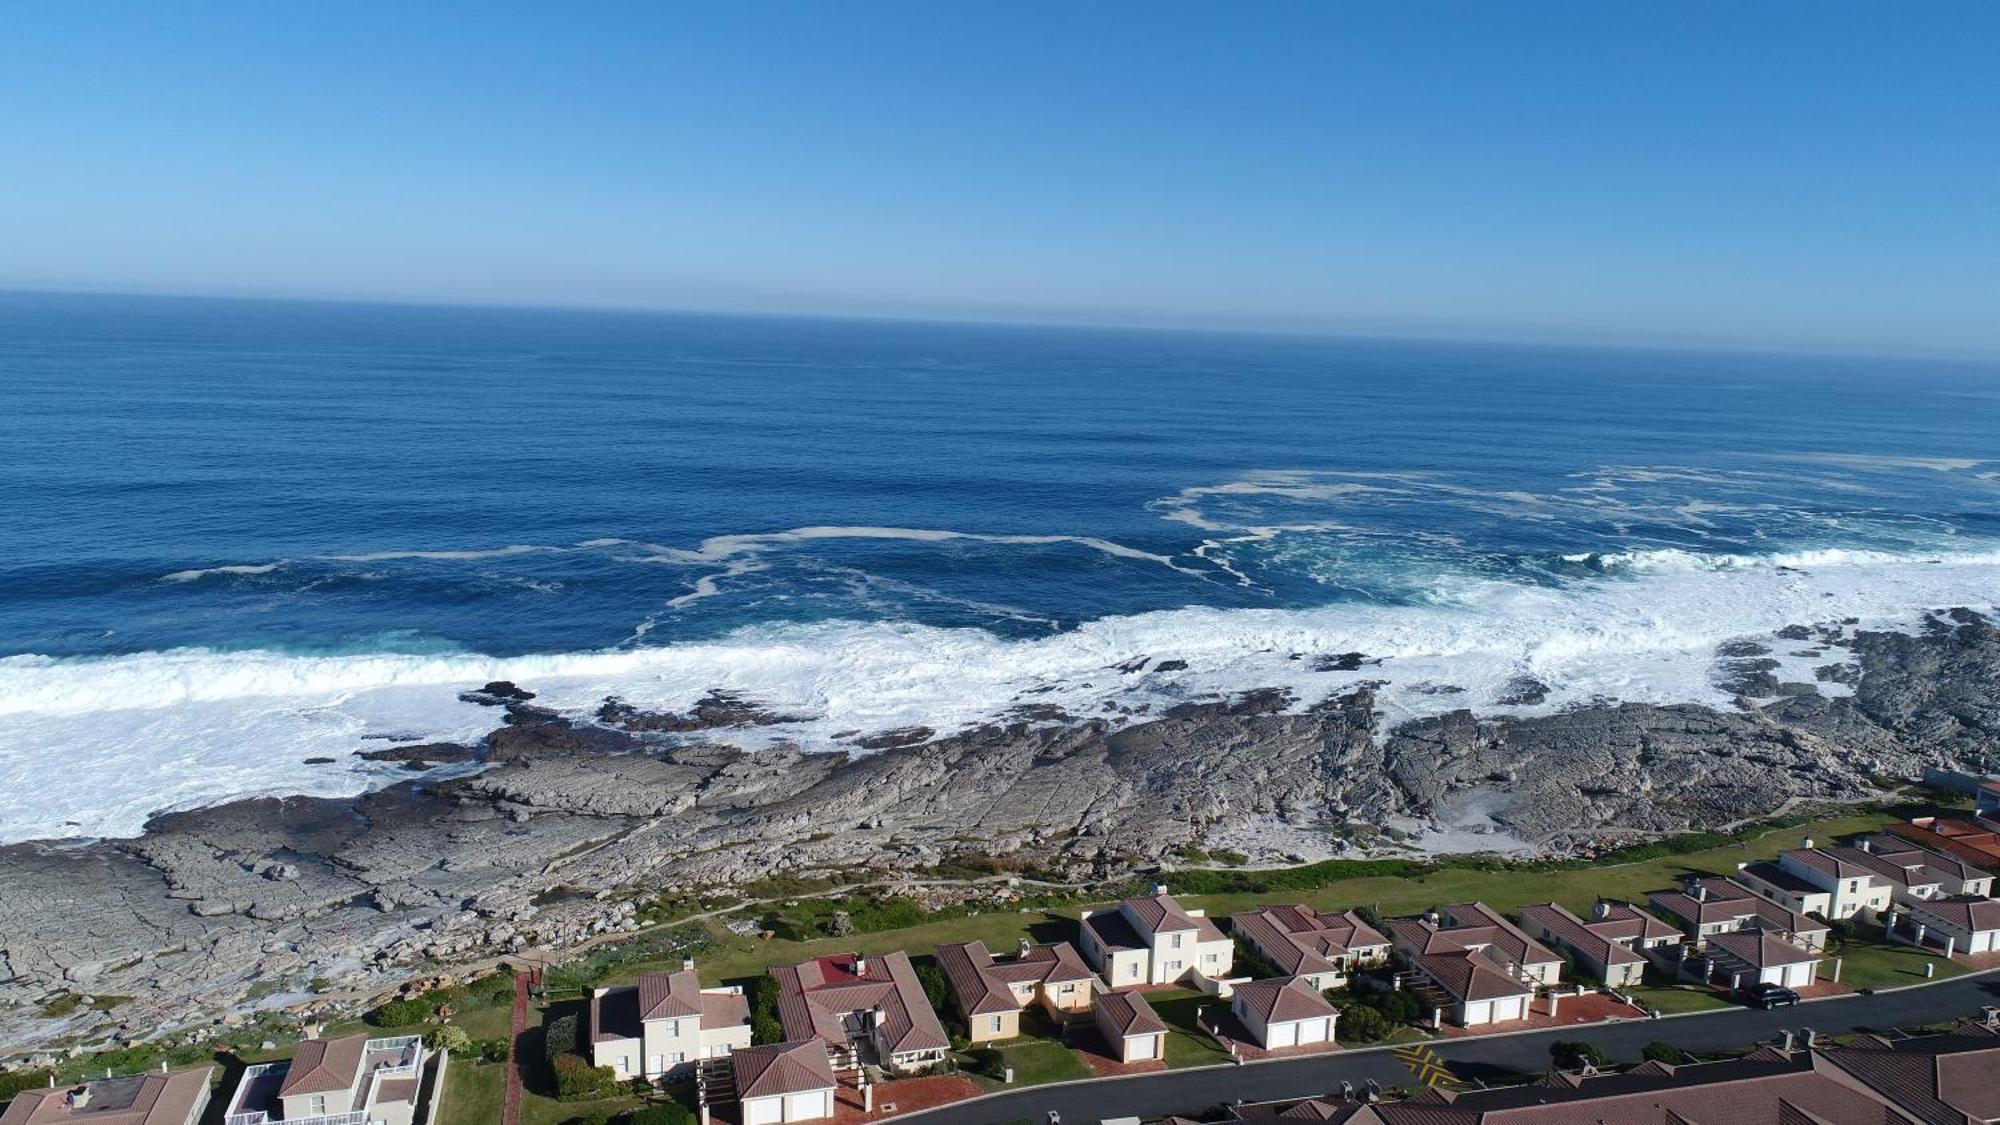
[(1036, 1061), (1877, 963), (473, 1095), (1187, 1044), (1672, 998)]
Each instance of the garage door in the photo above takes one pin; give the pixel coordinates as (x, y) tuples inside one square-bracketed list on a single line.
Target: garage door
[(763, 1111), (1142, 1047), (806, 1107), (1282, 1035), (1312, 1031), (1798, 976), (1479, 1013), (1512, 1008)]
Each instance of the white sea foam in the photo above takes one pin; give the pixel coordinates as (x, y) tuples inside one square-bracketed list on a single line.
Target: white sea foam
[(135, 734), (204, 572)]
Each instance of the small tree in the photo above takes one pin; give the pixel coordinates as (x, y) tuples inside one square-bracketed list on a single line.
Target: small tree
[(1360, 1023), (937, 988), (765, 1026), (578, 1081), (448, 1037), (1571, 1054), (1659, 1050)]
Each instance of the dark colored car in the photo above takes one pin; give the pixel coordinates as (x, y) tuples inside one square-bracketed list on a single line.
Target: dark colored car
[(1769, 996)]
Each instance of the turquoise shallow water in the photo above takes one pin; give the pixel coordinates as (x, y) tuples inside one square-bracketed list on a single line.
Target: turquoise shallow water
[(285, 526)]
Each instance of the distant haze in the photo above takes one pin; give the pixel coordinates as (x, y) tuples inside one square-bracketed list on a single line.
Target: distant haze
[(1774, 176)]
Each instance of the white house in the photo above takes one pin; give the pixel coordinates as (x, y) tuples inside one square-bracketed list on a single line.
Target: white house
[(1834, 883), (1964, 925), (1285, 1012), (1303, 942), (1709, 904), (1478, 987), (328, 1080), (1915, 872), (1152, 940), (784, 1082), (1133, 1031), (1747, 957), (665, 1025)]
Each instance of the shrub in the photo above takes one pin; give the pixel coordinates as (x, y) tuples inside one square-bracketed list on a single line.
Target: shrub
[(986, 1060), (1360, 1023), (671, 1113), (1659, 1050), (1570, 1054), (765, 1027), (448, 1037), (1398, 1006), (937, 989), (401, 1013), (559, 1036), (578, 1081), (487, 1050), (14, 1081)]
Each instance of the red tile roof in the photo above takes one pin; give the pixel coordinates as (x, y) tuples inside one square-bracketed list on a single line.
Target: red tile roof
[(1283, 1000), (136, 1099), (980, 984), (814, 996), (1761, 950), (324, 1065), (1300, 939), (1129, 1014), (782, 1068)]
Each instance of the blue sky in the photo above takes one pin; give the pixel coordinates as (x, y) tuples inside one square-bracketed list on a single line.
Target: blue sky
[(1763, 174)]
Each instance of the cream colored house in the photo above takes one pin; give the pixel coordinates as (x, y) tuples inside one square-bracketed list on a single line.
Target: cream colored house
[(1153, 940), (1707, 905), (665, 1025), (1132, 1030), (784, 1082), (1610, 946), (1303, 942), (991, 994), (1748, 957), (872, 1003), (341, 1081), (1962, 925), (1486, 967)]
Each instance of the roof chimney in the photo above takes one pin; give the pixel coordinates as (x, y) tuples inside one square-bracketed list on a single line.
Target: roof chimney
[(687, 964), (1601, 911), (1159, 888), (1806, 842), (860, 964), (78, 1098), (1865, 844)]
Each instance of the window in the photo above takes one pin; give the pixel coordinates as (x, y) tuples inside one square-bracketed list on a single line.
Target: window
[(673, 1029), (623, 1064), (996, 1023), (316, 1105), (1208, 958), (1135, 969), (659, 1064), (1175, 941), (1067, 990), (674, 1058), (1173, 966)]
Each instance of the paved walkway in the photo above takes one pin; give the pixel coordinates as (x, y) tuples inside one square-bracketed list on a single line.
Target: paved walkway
[(1492, 1057)]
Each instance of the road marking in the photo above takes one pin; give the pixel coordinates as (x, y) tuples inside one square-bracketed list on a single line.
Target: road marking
[(1426, 1066)]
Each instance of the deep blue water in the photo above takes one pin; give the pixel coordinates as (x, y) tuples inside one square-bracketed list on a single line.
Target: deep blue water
[(300, 480)]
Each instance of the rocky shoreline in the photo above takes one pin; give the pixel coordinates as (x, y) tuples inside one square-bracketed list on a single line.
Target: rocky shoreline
[(279, 898)]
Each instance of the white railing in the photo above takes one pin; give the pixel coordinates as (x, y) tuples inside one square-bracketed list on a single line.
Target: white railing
[(254, 1117)]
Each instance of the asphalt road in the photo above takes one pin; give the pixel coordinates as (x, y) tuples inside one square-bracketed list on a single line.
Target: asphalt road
[(1192, 1091)]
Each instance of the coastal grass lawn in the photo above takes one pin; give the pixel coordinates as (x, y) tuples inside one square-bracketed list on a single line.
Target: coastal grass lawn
[(1036, 1061), (1187, 1043), (734, 957), (1879, 963), (1671, 999), (473, 1094)]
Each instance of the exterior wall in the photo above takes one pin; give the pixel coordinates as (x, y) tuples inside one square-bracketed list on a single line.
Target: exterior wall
[(671, 1045), (1215, 958), (816, 1105), (1066, 1004), (996, 1025), (1128, 968), (1546, 973), (304, 1105), (1936, 930), (623, 1056), (1260, 1032), (1171, 962), (1622, 976)]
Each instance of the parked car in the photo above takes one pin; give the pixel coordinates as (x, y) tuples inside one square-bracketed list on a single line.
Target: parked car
[(1768, 996)]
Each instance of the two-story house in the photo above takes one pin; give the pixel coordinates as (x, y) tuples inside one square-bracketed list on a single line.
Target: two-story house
[(1153, 940), (352, 1080), (665, 1025), (1834, 883), (168, 1097), (1707, 905), (1920, 873), (1487, 967)]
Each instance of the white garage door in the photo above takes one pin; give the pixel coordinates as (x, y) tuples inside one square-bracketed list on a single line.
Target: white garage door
[(1478, 1013), (1312, 1031), (1282, 1035), (763, 1111), (1511, 1008), (1798, 976), (806, 1107), (1981, 942), (1142, 1047)]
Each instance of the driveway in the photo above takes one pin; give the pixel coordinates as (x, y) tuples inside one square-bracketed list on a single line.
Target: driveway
[(1191, 1091)]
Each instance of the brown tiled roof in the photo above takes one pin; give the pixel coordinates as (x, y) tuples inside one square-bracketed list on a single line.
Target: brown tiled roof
[(797, 1067), (1311, 1109), (813, 996), (614, 1015), (1300, 939), (1589, 938), (1754, 1090), (1942, 1078), (136, 1099), (1836, 862), (665, 996), (1954, 836), (1727, 900), (1966, 913), (1130, 1014), (1759, 950), (1465, 973), (1112, 931), (979, 984), (724, 1009), (1283, 1000), (1160, 914), (1476, 923), (324, 1065), (1903, 853)]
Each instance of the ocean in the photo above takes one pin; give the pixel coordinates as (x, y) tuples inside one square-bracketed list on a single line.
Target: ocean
[(240, 534)]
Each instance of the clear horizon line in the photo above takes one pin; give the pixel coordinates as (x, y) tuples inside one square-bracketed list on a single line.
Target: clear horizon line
[(1617, 342)]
